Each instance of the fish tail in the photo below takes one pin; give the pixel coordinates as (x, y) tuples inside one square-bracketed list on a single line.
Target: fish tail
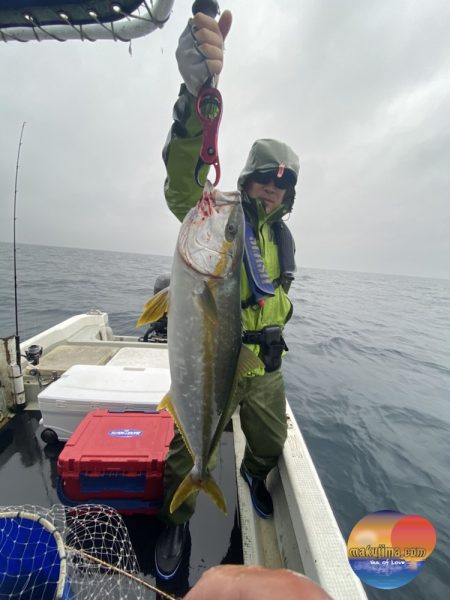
[(189, 485), (215, 493)]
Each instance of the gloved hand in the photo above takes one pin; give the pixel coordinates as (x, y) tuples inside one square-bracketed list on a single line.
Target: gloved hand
[(200, 49)]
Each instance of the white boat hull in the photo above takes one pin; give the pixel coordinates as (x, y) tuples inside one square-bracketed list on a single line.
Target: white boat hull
[(302, 536)]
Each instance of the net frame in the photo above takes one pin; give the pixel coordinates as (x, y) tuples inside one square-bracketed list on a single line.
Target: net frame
[(143, 21), (95, 553), (24, 515)]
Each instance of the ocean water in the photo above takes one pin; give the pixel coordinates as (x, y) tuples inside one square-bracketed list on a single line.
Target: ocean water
[(367, 375)]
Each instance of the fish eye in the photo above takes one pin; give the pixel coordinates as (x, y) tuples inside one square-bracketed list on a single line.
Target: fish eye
[(230, 231)]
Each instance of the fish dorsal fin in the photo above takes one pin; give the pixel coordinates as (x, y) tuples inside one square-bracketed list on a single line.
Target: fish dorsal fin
[(248, 361), (155, 308)]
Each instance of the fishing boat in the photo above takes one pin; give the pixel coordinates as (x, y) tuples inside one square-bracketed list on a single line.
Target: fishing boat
[(303, 534), (43, 378)]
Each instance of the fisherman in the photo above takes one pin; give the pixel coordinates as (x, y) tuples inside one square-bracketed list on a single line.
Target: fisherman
[(157, 331), (267, 184)]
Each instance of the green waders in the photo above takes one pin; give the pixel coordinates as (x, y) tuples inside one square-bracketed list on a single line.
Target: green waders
[(263, 421)]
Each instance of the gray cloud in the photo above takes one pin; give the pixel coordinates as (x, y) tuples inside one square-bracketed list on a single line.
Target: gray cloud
[(360, 89)]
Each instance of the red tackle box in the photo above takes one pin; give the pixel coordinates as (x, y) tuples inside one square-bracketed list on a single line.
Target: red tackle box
[(117, 459)]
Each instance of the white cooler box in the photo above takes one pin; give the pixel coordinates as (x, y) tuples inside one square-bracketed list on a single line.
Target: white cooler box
[(84, 388)]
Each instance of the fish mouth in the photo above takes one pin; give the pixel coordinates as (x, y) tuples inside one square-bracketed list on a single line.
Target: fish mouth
[(231, 199), (209, 203), (206, 205)]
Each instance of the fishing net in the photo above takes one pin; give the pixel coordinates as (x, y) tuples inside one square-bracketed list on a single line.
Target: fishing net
[(62, 553)]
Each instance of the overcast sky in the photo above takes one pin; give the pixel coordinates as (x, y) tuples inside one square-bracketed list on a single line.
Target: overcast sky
[(360, 88)]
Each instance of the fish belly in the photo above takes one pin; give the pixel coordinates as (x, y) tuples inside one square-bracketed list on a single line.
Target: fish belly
[(204, 337)]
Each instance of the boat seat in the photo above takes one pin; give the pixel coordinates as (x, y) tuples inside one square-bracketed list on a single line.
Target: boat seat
[(61, 358)]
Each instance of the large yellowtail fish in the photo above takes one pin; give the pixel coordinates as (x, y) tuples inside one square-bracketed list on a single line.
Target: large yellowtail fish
[(206, 355)]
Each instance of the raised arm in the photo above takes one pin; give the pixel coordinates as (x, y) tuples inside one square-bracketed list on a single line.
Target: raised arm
[(200, 59)]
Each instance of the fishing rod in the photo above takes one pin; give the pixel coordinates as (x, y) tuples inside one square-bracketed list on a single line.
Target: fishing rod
[(17, 337)]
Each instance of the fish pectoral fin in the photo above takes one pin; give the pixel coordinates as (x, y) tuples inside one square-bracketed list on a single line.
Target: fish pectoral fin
[(247, 361), (166, 403), (189, 485), (155, 308)]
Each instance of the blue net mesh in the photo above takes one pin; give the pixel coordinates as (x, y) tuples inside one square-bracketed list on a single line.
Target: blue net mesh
[(30, 559)]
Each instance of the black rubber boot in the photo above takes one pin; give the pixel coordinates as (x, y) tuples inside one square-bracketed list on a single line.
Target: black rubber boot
[(169, 549), (261, 499)]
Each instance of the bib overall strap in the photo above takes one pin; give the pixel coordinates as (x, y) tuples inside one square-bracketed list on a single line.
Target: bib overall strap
[(260, 284)]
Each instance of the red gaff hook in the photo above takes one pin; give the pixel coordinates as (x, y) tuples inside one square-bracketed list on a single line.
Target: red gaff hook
[(209, 111)]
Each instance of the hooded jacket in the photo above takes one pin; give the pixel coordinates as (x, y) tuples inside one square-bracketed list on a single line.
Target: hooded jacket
[(180, 155)]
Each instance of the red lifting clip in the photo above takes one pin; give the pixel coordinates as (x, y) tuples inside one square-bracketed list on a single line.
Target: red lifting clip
[(209, 111)]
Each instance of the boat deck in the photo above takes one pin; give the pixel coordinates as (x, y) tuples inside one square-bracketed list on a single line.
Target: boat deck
[(302, 536), (29, 476)]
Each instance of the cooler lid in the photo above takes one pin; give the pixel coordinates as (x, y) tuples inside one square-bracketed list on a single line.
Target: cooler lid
[(109, 384), (141, 357)]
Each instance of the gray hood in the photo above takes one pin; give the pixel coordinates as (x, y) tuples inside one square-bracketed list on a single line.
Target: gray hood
[(269, 154)]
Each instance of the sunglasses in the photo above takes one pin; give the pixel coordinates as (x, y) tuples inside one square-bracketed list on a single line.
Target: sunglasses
[(287, 180)]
